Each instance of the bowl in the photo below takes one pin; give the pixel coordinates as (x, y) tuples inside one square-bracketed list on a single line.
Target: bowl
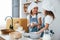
[(6, 31), (15, 35), (25, 34), (34, 35)]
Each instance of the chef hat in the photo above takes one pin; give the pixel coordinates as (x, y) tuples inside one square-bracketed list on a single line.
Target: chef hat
[(31, 6), (46, 5)]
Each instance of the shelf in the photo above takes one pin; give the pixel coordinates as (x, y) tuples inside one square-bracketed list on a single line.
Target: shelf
[(28, 13), (37, 1), (27, 3)]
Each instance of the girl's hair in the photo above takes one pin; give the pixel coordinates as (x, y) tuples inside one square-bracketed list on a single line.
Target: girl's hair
[(31, 12), (50, 13)]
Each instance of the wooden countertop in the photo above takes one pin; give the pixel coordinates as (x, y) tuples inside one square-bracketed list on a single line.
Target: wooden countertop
[(7, 37)]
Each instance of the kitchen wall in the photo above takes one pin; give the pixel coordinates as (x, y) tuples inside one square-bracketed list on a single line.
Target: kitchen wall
[(22, 15), (56, 24)]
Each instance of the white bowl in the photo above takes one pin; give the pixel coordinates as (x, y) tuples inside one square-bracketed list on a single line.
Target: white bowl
[(34, 35), (31, 35), (25, 34)]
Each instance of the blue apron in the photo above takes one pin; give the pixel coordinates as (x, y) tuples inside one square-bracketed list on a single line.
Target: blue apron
[(43, 25), (34, 29)]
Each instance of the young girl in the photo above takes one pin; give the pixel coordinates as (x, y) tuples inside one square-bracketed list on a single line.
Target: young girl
[(34, 19), (47, 20)]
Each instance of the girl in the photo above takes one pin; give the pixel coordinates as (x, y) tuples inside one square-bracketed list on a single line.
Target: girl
[(34, 19), (47, 20)]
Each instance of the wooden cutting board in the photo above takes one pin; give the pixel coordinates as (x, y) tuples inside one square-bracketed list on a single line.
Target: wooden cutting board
[(1, 38), (7, 31)]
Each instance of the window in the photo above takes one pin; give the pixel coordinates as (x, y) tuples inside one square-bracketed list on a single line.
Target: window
[(5, 10)]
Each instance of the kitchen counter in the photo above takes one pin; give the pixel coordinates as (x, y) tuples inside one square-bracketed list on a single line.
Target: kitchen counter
[(10, 37), (7, 37)]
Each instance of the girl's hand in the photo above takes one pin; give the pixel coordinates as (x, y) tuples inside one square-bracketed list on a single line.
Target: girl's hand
[(32, 24), (29, 25), (37, 32), (38, 26)]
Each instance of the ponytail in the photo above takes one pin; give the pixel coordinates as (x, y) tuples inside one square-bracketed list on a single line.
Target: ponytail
[(50, 13)]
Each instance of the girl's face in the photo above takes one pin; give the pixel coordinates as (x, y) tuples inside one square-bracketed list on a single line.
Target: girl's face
[(35, 10), (44, 12)]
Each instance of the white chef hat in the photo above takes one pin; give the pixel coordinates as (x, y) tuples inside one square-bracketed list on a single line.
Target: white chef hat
[(31, 6), (46, 5)]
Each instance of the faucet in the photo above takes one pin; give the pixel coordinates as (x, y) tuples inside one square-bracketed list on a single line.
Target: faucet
[(11, 25)]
